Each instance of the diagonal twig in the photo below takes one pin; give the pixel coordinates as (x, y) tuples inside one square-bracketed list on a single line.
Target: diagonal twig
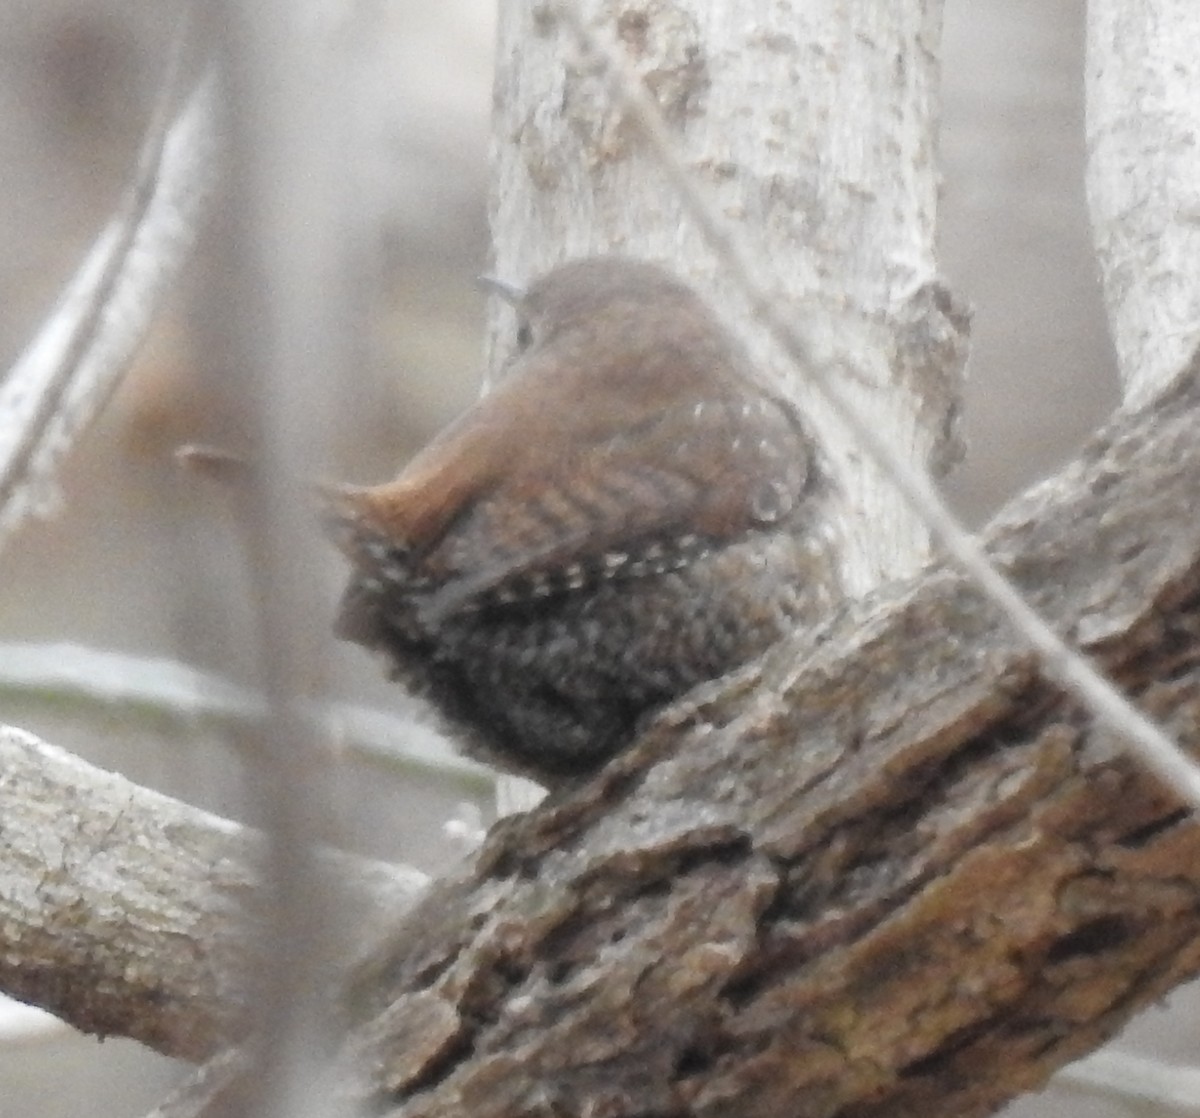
[(69, 371)]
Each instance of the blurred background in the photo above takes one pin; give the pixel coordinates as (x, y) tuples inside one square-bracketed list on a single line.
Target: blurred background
[(141, 559)]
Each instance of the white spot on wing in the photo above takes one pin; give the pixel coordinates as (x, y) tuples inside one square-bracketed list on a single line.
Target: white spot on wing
[(771, 502)]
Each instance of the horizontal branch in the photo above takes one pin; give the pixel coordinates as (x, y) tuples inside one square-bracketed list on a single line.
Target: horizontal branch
[(127, 912), (100, 683), (888, 871)]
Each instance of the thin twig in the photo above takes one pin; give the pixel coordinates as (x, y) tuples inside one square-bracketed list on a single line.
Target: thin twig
[(1145, 740), (282, 313), (104, 683), (69, 371)]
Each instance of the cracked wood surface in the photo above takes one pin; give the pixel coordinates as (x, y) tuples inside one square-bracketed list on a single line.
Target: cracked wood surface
[(890, 871)]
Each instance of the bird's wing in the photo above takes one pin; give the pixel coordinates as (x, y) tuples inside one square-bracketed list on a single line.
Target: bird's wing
[(645, 499)]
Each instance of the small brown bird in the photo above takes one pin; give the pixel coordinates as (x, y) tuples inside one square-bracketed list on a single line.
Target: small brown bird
[(627, 514)]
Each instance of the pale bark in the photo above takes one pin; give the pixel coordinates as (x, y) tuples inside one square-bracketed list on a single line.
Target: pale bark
[(81, 352), (126, 912), (1143, 179)]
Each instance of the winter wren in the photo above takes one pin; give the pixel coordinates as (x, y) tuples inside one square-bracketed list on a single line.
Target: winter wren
[(628, 513)]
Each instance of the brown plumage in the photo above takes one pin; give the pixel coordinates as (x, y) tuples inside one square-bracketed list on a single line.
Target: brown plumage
[(622, 517)]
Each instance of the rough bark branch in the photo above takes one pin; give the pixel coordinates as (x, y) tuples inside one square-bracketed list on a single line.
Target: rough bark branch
[(126, 912), (894, 872)]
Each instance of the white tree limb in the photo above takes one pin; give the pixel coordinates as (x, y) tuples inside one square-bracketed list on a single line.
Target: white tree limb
[(69, 371), (1143, 182), (125, 911)]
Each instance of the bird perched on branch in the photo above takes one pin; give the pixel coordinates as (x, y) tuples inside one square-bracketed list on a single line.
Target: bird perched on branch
[(629, 512)]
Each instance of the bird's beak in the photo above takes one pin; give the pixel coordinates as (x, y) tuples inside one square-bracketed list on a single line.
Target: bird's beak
[(510, 292)]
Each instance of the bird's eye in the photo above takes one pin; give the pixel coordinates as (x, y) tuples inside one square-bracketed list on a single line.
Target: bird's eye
[(524, 336)]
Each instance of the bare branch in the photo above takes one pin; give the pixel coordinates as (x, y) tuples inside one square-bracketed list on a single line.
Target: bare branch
[(1143, 182), (124, 910), (72, 367), (103, 683), (280, 311)]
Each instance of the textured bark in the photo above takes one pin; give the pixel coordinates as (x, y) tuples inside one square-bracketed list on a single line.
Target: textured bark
[(128, 913), (1143, 114), (890, 872)]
